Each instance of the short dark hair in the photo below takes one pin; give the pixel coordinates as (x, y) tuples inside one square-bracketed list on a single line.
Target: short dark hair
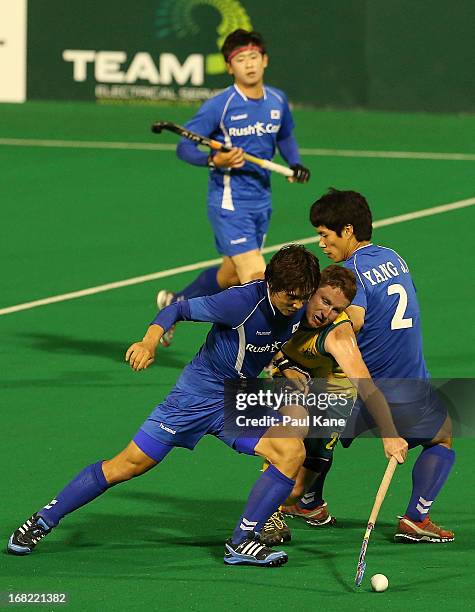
[(242, 38), (339, 278), (337, 208), (293, 269)]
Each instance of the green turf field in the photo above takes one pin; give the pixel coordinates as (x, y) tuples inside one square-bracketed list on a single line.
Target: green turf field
[(79, 217)]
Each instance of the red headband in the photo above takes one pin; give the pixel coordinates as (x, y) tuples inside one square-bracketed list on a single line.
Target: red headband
[(249, 47)]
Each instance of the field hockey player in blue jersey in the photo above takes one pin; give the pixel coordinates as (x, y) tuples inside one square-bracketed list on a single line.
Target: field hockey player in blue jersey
[(385, 313), (247, 116), (250, 324)]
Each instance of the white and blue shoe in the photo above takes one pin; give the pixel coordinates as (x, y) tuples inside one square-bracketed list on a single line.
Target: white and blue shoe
[(27, 536), (252, 552), (164, 299)]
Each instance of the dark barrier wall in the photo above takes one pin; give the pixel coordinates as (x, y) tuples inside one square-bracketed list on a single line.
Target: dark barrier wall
[(420, 55), (377, 54)]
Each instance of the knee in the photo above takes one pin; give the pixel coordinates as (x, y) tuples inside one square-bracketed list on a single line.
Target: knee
[(227, 278), (248, 275), (257, 275), (447, 442), (444, 435), (249, 268), (130, 469), (289, 455), (121, 469)]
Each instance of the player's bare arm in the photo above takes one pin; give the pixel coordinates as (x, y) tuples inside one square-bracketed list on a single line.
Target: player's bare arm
[(357, 315), (341, 343), (142, 354)]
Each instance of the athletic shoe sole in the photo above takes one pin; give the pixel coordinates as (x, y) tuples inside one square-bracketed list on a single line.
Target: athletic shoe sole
[(14, 549), (276, 562), (409, 538), (328, 522)]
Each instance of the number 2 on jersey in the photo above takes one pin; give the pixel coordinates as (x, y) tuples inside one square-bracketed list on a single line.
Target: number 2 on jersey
[(398, 321)]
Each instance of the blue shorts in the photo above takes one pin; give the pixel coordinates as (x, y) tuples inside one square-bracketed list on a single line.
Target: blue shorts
[(183, 419), (241, 230), (417, 422)]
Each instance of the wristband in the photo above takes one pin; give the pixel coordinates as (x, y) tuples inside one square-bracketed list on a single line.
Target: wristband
[(282, 364)]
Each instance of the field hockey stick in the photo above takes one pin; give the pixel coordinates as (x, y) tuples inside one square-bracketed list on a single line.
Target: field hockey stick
[(380, 495), (218, 146)]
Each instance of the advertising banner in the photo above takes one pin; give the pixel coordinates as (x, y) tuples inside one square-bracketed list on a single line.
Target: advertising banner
[(12, 50), (392, 55), (169, 50)]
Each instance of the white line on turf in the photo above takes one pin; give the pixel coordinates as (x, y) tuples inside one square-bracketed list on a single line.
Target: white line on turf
[(86, 144), (418, 214), (148, 146), (389, 154)]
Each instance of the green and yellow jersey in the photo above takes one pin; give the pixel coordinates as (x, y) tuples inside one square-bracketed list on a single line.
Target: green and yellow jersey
[(306, 349)]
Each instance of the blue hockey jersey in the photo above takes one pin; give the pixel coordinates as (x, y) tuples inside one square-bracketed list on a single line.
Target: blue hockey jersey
[(247, 331), (390, 340), (257, 126)]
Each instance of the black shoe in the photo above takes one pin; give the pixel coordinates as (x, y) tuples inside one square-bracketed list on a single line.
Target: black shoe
[(26, 537), (253, 552), (275, 530)]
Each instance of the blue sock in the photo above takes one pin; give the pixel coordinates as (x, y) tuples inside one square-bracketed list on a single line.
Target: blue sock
[(270, 490), (86, 486), (429, 474), (204, 284), (314, 494)]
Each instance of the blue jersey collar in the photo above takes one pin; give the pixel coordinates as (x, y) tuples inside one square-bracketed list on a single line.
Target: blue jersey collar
[(270, 302), (243, 95), (359, 249)]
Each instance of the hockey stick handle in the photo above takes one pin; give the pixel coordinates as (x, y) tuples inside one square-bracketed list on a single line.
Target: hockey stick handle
[(218, 146), (263, 163), (269, 165), (383, 489), (380, 495)]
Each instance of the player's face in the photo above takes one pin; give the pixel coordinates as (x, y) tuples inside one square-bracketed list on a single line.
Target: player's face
[(248, 68), (287, 303), (325, 306), (337, 248)]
